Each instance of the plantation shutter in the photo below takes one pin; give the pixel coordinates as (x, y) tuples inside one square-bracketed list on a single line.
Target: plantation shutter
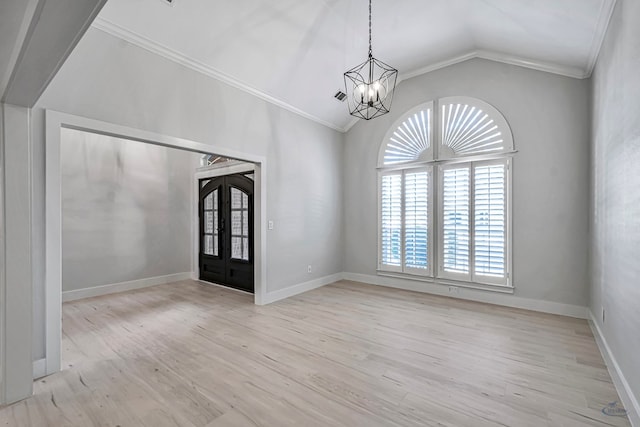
[(410, 139), (470, 126), (455, 221), (391, 221), (417, 217), (444, 201), (490, 221)]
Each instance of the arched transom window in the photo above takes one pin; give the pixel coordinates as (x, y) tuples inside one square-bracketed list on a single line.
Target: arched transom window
[(444, 186)]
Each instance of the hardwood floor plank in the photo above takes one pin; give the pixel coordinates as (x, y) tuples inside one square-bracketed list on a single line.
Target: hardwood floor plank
[(188, 354)]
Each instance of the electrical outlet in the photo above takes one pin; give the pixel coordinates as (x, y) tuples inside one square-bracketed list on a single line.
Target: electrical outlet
[(308, 268), (270, 225), (454, 290)]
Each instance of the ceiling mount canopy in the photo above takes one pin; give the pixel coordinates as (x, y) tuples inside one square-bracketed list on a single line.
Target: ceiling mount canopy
[(370, 85)]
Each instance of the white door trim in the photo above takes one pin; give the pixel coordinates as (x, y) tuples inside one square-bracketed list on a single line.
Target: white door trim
[(53, 276)]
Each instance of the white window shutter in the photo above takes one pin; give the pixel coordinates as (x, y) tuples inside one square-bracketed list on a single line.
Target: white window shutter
[(391, 221), (417, 211), (490, 222), (469, 127), (455, 230), (409, 139)]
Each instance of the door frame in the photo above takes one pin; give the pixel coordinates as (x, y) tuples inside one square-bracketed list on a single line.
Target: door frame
[(55, 121), (212, 172)]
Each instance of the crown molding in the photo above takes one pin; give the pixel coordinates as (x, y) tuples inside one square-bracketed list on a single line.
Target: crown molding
[(437, 66), (574, 72), (353, 122), (159, 49), (547, 67), (606, 12)]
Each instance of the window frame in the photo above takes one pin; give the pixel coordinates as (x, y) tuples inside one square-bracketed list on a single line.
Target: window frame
[(435, 165)]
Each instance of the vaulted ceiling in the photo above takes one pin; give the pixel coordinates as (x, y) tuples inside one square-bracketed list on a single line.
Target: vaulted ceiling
[(294, 52)]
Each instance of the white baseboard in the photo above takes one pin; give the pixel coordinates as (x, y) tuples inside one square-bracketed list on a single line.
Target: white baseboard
[(123, 286), (39, 368), (507, 300), (302, 287), (629, 400)]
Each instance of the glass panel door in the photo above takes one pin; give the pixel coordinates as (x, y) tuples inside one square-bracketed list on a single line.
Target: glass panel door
[(226, 231)]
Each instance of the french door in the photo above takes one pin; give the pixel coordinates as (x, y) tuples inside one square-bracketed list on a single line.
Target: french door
[(226, 231)]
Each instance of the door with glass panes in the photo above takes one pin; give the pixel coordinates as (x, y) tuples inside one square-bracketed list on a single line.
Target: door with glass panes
[(226, 231)]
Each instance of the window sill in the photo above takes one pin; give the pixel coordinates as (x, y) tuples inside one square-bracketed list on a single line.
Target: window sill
[(448, 282)]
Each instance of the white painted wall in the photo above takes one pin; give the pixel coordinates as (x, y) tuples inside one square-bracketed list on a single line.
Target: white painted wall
[(549, 117), (126, 210), (615, 198), (110, 80)]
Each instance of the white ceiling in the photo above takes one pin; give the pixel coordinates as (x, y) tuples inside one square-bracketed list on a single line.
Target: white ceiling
[(293, 52)]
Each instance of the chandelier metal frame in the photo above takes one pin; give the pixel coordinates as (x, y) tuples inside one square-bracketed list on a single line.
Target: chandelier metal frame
[(370, 85)]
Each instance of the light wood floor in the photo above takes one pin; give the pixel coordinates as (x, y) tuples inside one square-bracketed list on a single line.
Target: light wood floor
[(189, 354)]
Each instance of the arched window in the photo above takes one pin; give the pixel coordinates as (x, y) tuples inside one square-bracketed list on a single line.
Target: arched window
[(444, 194)]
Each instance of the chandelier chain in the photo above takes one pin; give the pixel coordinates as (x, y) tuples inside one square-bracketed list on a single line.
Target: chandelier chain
[(370, 49)]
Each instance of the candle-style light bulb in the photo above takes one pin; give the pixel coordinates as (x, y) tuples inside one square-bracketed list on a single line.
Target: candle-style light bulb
[(376, 85), (361, 88)]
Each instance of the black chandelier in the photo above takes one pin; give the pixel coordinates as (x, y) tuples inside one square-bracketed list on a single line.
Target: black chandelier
[(370, 85)]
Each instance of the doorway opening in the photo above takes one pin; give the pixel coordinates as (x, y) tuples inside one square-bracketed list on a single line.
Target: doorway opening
[(55, 123)]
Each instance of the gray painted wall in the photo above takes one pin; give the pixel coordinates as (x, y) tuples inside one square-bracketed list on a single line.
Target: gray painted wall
[(126, 210), (16, 275), (111, 80), (615, 157), (549, 117)]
